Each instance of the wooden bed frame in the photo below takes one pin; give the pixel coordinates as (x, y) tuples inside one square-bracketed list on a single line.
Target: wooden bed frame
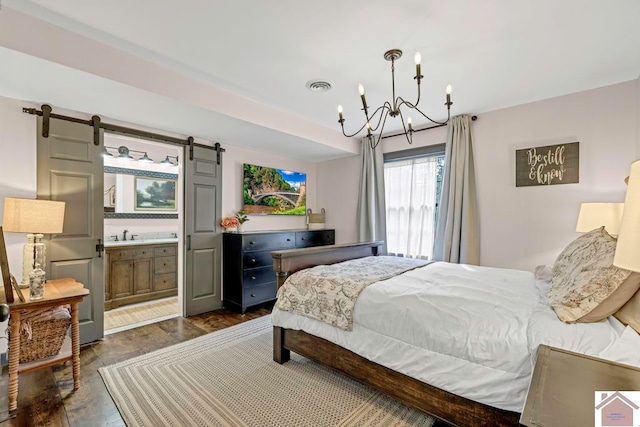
[(442, 405)]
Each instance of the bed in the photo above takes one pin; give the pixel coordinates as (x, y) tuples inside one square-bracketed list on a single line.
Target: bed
[(449, 371)]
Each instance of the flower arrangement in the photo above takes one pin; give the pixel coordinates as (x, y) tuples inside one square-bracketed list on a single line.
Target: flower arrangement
[(242, 217), (230, 222)]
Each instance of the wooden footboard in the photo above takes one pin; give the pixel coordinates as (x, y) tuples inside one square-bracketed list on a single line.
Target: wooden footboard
[(447, 407)]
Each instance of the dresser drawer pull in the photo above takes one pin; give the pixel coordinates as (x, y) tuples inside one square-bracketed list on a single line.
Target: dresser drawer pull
[(253, 295), (253, 277), (302, 238), (252, 243), (164, 265), (288, 240), (253, 260)]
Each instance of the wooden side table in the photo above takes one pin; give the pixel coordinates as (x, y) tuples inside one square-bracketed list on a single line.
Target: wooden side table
[(56, 293), (563, 386)]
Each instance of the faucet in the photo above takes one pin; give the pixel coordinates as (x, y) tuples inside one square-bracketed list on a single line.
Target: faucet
[(124, 235)]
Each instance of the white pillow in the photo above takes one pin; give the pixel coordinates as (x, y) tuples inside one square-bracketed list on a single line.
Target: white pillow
[(543, 272), (626, 349)]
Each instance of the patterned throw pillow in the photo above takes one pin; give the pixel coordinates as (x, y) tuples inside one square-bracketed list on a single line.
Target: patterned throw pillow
[(585, 286)]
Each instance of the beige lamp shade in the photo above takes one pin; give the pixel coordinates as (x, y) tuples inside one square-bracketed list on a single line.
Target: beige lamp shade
[(596, 215), (33, 216), (628, 247)]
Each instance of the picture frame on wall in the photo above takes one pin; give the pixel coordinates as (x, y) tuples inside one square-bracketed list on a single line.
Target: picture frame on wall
[(155, 194), (548, 165)]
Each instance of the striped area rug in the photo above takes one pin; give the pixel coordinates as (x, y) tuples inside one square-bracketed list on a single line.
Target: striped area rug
[(228, 378)]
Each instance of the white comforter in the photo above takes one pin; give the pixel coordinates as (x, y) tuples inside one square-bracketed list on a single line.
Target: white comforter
[(472, 331)]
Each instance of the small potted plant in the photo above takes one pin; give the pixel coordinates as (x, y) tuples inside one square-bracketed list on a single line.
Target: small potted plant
[(242, 218), (230, 224)]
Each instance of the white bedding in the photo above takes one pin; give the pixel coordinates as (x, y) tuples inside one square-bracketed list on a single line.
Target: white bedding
[(472, 331)]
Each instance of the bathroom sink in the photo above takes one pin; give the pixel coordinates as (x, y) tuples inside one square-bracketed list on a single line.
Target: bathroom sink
[(111, 244)]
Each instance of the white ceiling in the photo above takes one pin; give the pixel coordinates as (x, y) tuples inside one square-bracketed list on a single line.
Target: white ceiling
[(495, 53)]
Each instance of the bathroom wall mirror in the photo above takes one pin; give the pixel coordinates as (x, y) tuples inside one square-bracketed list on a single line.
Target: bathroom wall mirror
[(123, 200)]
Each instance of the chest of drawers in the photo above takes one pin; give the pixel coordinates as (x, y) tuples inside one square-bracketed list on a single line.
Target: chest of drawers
[(248, 277)]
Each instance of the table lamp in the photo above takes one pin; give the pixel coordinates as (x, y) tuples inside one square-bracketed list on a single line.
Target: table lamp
[(596, 215), (35, 217), (628, 247)]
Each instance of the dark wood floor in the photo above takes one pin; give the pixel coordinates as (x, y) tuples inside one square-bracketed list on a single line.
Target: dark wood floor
[(46, 397)]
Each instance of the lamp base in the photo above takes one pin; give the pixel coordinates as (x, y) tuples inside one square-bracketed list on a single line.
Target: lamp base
[(34, 251), (28, 257)]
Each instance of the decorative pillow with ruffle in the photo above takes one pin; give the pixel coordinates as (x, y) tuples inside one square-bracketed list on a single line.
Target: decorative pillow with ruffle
[(586, 286)]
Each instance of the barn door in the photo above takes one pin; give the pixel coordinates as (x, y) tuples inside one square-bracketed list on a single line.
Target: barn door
[(203, 211), (70, 169)]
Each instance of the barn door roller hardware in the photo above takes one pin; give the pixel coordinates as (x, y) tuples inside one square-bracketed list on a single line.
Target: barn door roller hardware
[(97, 124), (218, 151)]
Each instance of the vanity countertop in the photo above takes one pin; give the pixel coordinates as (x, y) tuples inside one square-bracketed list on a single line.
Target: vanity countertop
[(136, 242)]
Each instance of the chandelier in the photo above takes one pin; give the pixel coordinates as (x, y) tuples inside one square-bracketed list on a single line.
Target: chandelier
[(393, 110)]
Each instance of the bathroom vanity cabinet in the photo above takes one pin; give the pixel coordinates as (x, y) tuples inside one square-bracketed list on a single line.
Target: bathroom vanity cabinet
[(140, 273)]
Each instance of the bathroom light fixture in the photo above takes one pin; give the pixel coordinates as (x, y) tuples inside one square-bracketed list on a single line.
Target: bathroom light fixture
[(145, 158), (168, 161), (393, 109), (124, 153)]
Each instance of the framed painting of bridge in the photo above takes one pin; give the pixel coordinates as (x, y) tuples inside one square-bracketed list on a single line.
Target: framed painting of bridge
[(271, 191)]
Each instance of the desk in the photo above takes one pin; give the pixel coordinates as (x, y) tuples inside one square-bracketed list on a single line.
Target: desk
[(56, 292), (563, 386)]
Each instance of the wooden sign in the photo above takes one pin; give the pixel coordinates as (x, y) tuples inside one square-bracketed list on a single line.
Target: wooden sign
[(548, 165)]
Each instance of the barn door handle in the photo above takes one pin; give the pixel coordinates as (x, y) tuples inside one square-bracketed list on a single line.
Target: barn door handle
[(100, 248)]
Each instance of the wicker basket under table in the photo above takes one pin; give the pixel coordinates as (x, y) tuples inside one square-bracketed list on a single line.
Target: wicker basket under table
[(46, 340)]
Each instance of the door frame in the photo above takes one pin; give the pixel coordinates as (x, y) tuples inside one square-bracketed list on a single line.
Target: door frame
[(188, 143)]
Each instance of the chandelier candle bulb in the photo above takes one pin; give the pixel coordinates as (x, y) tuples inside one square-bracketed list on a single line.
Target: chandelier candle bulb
[(341, 119), (418, 58), (409, 123), (448, 96), (361, 91)]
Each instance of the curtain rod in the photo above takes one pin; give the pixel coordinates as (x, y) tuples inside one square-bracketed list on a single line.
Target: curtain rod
[(473, 118), (46, 114)]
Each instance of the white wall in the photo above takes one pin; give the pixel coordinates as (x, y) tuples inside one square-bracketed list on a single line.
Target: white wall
[(232, 198), (339, 183), (527, 226), (17, 174)]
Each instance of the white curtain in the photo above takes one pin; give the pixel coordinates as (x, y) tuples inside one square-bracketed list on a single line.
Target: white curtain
[(371, 214), (458, 229), (410, 193)]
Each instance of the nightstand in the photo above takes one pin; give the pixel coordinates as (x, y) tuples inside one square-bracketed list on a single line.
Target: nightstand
[(56, 292), (563, 386)]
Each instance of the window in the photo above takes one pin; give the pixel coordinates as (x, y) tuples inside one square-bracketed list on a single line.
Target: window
[(413, 181)]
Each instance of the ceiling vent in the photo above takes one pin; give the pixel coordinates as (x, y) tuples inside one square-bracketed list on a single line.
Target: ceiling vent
[(318, 85)]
